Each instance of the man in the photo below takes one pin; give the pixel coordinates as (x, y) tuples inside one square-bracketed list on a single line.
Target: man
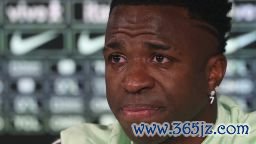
[(164, 60)]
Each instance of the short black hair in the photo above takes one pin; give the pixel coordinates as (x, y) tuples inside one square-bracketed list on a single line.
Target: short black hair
[(213, 12)]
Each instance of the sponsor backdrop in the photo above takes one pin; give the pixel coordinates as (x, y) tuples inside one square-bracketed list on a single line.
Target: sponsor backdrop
[(52, 70)]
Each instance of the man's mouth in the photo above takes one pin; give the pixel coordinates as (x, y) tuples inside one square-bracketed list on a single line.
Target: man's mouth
[(140, 111)]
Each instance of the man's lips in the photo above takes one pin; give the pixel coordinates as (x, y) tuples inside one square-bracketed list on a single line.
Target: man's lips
[(139, 107), (140, 111)]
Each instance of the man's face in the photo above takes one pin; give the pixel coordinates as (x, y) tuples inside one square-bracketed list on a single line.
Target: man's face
[(156, 59)]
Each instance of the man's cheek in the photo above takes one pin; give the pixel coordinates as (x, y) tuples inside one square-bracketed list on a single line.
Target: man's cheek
[(113, 97)]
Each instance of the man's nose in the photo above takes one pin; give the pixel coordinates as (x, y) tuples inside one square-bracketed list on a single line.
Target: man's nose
[(137, 79)]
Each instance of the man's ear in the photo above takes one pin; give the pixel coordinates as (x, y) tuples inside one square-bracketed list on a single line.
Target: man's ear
[(216, 69)]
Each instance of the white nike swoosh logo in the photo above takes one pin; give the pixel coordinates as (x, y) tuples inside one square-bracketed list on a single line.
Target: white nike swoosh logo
[(21, 46), (87, 46), (239, 42)]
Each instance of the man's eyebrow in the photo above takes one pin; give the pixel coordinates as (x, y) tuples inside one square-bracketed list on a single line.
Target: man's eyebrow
[(113, 45), (157, 45), (150, 44)]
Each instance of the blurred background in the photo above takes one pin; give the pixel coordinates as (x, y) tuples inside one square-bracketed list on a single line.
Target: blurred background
[(52, 69)]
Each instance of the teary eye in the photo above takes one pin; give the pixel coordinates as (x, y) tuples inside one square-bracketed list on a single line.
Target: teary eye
[(160, 59), (115, 58)]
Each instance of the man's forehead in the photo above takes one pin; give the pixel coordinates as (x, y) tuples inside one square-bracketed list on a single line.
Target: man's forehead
[(147, 12), (170, 24), (154, 17), (149, 16)]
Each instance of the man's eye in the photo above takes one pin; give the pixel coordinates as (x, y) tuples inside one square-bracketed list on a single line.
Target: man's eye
[(160, 59), (117, 59)]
